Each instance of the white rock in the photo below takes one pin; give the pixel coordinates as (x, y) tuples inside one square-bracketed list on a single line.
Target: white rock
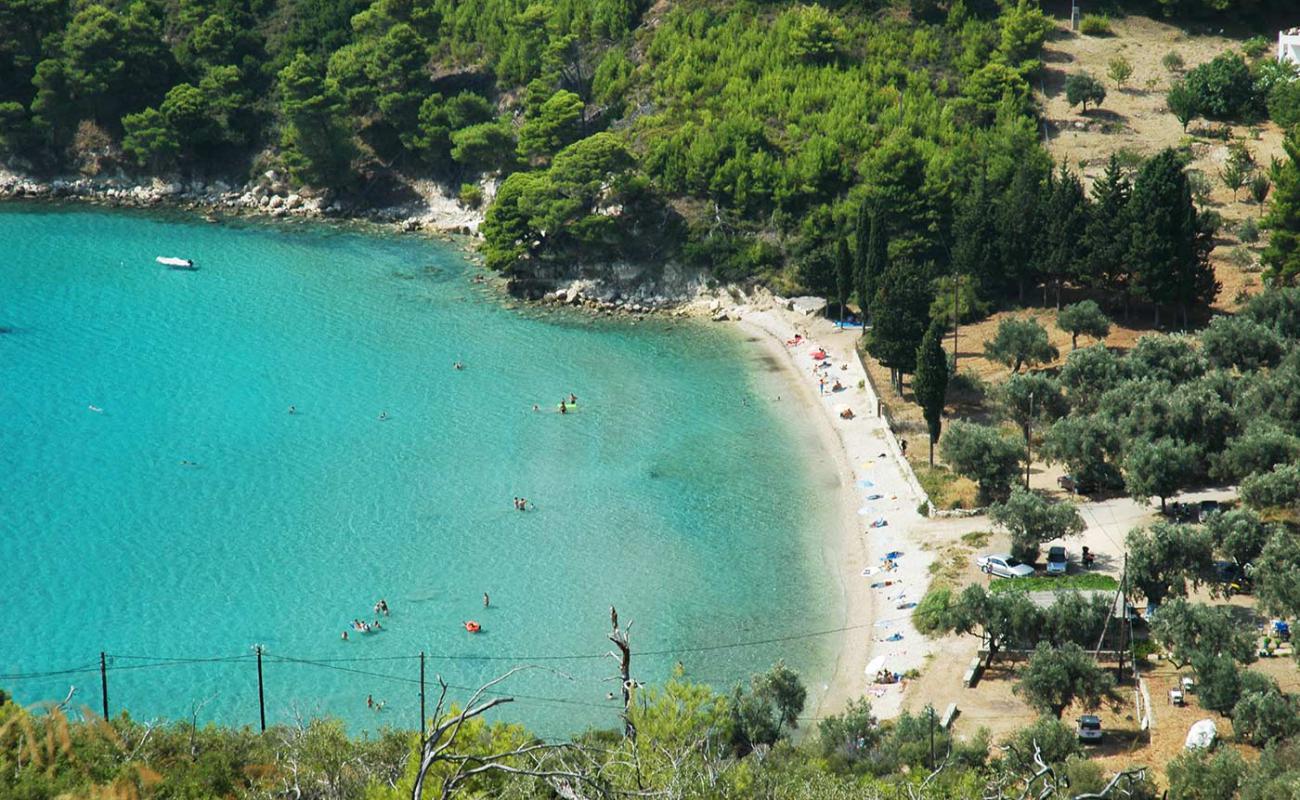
[(571, 295), (293, 201), (275, 202)]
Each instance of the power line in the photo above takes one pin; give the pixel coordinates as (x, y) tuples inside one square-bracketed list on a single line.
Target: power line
[(332, 662)]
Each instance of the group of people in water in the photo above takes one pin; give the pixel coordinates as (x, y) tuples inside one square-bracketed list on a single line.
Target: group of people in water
[(521, 504), (361, 626)]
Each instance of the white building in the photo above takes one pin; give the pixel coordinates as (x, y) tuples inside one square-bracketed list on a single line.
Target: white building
[(1288, 46)]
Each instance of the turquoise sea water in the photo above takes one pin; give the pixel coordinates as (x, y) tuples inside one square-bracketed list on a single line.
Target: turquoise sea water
[(675, 492)]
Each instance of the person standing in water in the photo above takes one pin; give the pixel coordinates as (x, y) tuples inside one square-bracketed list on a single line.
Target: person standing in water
[(563, 408), (486, 600)]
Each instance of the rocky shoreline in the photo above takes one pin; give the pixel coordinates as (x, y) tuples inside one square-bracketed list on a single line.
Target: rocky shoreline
[(608, 290), (268, 196)]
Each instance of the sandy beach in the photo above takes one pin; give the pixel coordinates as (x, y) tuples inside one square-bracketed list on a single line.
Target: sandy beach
[(877, 501)]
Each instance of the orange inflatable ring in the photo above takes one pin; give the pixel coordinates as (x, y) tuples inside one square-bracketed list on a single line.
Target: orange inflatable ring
[(473, 627)]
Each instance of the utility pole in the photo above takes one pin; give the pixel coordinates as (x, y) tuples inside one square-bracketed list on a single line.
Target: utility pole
[(956, 317), (931, 738), (1029, 438), (103, 682), (422, 723), (261, 695)]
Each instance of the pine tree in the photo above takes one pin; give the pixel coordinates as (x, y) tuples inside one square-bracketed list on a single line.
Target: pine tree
[(930, 386), (843, 274), (1066, 221), (1106, 237), (1170, 245), (1282, 256), (1020, 226), (901, 311)]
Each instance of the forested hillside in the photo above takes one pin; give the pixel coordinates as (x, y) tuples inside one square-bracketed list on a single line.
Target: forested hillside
[(742, 137)]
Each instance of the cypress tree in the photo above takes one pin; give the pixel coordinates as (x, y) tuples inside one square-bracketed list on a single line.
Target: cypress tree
[(1020, 226), (930, 386), (1106, 239), (975, 240), (1066, 221), (1170, 245), (861, 245), (1282, 256), (873, 259), (843, 274), (901, 310)]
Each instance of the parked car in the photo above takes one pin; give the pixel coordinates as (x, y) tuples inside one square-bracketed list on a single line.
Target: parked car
[(1004, 566), (1090, 729), (1070, 484), (1058, 560), (1207, 508)]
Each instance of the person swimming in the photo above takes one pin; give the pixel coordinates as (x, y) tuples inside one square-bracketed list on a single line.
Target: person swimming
[(458, 366), (573, 399), (383, 415), (293, 409), (563, 409)]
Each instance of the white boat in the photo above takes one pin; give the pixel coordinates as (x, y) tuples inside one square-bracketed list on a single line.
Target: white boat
[(175, 263)]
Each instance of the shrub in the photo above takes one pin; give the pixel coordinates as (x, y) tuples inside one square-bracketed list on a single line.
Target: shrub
[(1095, 25), (1243, 259), (471, 196), (1255, 46), (1262, 718), (1259, 184), (1119, 69), (1248, 231), (1199, 184), (1284, 103), (1173, 61), (1223, 88)]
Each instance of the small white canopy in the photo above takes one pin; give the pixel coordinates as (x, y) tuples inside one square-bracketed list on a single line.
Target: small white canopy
[(1201, 735), (876, 665)]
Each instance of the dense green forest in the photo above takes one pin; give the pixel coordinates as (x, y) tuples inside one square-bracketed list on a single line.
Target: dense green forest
[(748, 138)]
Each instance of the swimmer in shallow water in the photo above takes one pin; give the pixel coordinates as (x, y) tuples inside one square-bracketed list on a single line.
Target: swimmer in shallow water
[(383, 415)]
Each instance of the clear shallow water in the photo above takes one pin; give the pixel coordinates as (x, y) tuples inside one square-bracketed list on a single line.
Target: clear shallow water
[(675, 492)]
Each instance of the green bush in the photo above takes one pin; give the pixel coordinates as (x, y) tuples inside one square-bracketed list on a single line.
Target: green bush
[(471, 196), (1173, 61), (1256, 46), (1095, 25), (1223, 87), (1248, 231)]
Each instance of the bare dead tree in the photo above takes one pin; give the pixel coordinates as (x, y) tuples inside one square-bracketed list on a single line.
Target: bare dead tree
[(437, 748), (1130, 778), (624, 656)]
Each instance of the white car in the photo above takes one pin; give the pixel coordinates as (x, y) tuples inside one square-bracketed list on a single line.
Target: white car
[(1004, 566)]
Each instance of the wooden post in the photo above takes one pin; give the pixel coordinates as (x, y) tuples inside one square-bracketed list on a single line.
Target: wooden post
[(422, 728), (103, 681), (261, 694)]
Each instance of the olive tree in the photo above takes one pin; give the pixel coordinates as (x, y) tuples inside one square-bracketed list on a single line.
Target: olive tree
[(1264, 718), (1189, 631), (1239, 342), (984, 455), (1279, 488), (1200, 775), (1164, 559), (1161, 468), (1031, 520), (1057, 677), (1085, 317), (1019, 342), (1239, 534)]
